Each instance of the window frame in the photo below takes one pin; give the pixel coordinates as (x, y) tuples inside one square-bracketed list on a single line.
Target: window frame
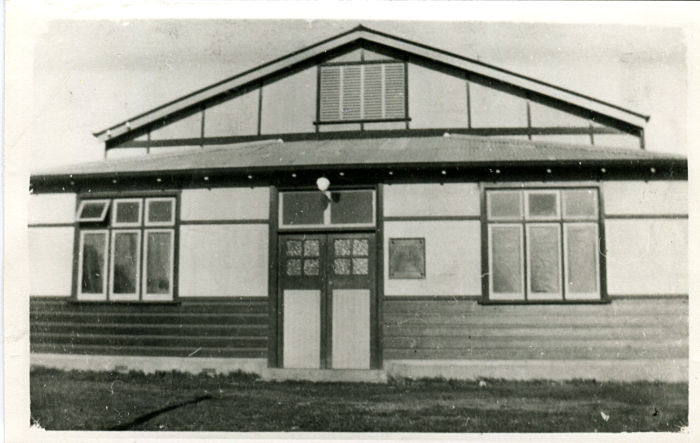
[(147, 211), (135, 296), (145, 295), (92, 296), (326, 225), (488, 220), (362, 119), (507, 296), (107, 203), (583, 295), (115, 204), (106, 226)]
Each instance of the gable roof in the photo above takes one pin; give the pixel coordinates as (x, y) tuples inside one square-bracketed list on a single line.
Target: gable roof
[(360, 35), (385, 153)]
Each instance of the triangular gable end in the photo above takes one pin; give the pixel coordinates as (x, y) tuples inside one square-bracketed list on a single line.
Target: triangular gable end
[(494, 101)]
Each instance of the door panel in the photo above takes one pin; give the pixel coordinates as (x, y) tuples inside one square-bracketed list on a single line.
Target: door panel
[(351, 329), (327, 287), (302, 328)]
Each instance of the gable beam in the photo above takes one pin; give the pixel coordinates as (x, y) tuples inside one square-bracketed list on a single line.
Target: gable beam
[(389, 133)]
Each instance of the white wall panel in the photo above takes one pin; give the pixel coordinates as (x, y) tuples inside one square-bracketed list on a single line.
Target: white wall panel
[(50, 261), (453, 258), (289, 105), (302, 329), (189, 127), (647, 257), (225, 204), (351, 329), (493, 108), (436, 100), (238, 116), (450, 199), (223, 260), (51, 208), (648, 198)]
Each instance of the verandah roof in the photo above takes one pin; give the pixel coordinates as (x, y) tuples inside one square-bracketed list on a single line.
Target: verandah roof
[(455, 150)]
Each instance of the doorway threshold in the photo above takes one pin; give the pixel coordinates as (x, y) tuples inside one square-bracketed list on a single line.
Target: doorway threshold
[(326, 375)]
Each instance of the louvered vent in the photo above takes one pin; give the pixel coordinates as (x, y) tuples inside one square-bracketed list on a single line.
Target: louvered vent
[(362, 92), (394, 91), (330, 93)]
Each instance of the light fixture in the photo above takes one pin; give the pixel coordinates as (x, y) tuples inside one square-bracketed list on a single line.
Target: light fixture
[(250, 177), (444, 172), (602, 170), (653, 170), (294, 175), (549, 171), (341, 174), (206, 178), (323, 183), (159, 179)]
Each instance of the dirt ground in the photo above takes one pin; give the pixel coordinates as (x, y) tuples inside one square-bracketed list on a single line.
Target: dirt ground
[(239, 403)]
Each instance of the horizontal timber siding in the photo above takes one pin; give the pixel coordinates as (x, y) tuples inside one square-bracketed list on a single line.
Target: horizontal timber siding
[(232, 328), (464, 330)]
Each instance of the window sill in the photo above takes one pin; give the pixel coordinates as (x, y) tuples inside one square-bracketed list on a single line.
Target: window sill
[(347, 122), (126, 302), (602, 301)]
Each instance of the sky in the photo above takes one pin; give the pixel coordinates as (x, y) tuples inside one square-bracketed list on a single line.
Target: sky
[(88, 74)]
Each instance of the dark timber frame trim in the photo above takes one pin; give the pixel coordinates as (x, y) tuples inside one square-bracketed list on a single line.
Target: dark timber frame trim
[(275, 345)]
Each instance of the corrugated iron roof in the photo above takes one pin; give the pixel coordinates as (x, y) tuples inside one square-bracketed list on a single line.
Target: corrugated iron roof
[(394, 152)]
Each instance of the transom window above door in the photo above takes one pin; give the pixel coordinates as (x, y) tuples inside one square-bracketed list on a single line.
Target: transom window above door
[(316, 209)]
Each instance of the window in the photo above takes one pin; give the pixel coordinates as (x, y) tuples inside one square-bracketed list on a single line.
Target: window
[(128, 255), (543, 244), (308, 209), (357, 92)]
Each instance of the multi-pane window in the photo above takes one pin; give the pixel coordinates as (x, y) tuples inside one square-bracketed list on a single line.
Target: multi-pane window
[(543, 244), (355, 92), (126, 249), (318, 209)]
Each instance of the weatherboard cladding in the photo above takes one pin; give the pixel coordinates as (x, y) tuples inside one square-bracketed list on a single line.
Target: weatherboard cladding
[(273, 154)]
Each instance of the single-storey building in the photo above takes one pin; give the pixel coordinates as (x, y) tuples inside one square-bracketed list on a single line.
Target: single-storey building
[(363, 207)]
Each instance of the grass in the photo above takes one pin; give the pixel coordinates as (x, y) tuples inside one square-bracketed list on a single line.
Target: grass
[(173, 401)]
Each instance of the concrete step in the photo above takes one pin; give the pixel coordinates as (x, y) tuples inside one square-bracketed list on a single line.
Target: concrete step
[(326, 375)]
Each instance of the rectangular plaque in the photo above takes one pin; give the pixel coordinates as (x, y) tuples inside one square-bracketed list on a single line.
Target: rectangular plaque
[(406, 258)]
